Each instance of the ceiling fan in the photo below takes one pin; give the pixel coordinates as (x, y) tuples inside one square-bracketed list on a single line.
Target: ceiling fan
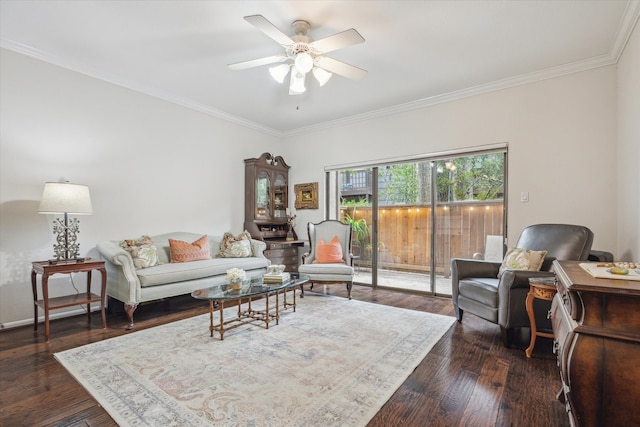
[(302, 55)]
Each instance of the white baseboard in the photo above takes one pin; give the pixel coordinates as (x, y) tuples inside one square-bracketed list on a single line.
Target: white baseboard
[(52, 316)]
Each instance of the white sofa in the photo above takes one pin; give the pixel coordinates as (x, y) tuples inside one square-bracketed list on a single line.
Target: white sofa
[(167, 279)]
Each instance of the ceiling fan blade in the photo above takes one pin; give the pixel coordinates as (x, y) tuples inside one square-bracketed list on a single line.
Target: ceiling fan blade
[(261, 23), (258, 62), (339, 67), (337, 41)]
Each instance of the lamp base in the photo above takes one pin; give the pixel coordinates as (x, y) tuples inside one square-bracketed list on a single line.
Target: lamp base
[(66, 247)]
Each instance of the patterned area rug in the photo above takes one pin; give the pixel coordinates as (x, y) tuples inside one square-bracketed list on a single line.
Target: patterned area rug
[(333, 362)]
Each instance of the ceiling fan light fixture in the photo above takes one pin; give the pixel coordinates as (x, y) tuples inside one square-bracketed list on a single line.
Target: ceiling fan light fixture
[(304, 62), (279, 72), (322, 76), (296, 86)]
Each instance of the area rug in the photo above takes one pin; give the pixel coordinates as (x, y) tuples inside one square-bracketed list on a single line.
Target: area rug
[(334, 362)]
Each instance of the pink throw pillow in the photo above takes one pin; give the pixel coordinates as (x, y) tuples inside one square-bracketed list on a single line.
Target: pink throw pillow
[(185, 252), (329, 253)]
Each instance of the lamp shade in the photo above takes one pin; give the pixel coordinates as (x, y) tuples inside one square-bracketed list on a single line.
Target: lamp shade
[(279, 72), (64, 197), (321, 75), (304, 62)]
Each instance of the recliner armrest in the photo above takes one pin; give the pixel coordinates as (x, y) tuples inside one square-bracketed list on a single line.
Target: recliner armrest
[(512, 289), (519, 279), (462, 268)]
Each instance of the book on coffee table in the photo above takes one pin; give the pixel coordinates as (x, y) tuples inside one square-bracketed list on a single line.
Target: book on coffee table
[(276, 278)]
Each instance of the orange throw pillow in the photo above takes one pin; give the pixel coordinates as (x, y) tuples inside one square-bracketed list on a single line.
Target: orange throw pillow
[(185, 252), (329, 253)]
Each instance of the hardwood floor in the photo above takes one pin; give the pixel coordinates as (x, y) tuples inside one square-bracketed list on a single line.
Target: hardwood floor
[(468, 379)]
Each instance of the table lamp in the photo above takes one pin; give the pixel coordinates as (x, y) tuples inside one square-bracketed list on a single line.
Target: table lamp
[(65, 198)]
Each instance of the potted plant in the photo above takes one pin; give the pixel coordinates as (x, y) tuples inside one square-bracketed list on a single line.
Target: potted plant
[(359, 230)]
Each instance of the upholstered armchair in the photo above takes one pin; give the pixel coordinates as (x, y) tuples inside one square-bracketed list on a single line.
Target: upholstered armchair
[(477, 289), (329, 259)]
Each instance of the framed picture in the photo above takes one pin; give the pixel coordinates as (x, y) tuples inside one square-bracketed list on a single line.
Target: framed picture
[(306, 195)]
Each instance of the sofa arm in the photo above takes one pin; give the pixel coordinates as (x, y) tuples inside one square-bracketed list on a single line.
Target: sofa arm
[(258, 248), (122, 279)]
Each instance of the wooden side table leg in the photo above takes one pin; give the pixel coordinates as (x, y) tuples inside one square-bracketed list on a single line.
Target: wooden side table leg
[(532, 322), (45, 298), (88, 292), (35, 300), (103, 297)]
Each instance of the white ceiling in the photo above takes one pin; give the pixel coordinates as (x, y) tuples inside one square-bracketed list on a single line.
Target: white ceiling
[(416, 52)]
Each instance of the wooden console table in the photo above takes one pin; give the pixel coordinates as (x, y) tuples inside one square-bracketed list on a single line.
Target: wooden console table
[(63, 267), (596, 323)]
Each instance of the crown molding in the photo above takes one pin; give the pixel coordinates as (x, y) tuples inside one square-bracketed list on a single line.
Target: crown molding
[(549, 73), (627, 25), (137, 87)]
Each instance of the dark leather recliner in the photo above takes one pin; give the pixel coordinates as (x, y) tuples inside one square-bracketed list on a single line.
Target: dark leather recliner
[(477, 289)]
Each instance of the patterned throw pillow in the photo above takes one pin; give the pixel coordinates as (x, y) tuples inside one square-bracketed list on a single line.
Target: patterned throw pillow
[(329, 253), (236, 246), (522, 259), (142, 250), (184, 252)]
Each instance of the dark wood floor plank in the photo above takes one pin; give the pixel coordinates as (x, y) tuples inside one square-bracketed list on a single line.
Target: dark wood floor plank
[(35, 390)]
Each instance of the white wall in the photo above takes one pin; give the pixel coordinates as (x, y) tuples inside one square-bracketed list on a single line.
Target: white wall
[(562, 143), (628, 185), (151, 166)]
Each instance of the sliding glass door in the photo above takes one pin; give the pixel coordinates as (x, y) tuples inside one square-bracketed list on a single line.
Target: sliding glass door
[(410, 218)]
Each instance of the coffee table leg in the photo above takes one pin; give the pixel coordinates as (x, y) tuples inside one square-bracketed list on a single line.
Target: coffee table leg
[(266, 309), (211, 318), (277, 304), (294, 299), (221, 320)]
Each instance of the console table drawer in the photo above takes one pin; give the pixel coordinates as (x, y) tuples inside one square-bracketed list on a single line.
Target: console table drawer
[(281, 253), (271, 246)]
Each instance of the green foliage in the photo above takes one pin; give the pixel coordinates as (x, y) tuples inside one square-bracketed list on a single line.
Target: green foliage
[(478, 177), (401, 183), (471, 178), (354, 203), (358, 226)]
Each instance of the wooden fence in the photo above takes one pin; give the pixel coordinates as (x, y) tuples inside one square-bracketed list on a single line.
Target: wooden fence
[(405, 233)]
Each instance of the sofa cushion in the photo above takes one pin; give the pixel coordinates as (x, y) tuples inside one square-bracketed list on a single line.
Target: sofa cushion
[(236, 246), (335, 268), (482, 289), (186, 252), (184, 271), (142, 250)]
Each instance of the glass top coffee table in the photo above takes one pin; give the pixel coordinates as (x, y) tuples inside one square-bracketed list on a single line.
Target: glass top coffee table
[(250, 289)]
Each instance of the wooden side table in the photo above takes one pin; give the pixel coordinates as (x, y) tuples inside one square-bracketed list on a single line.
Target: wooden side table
[(66, 267), (543, 288)]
